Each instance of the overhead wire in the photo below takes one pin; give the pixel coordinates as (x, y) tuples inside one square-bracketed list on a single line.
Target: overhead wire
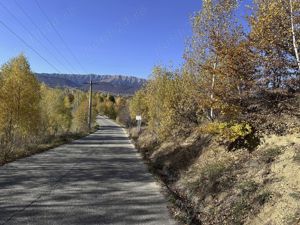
[(29, 32), (45, 37), (60, 36), (28, 45)]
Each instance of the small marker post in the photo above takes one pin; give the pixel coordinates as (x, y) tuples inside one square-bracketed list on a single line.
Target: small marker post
[(139, 122)]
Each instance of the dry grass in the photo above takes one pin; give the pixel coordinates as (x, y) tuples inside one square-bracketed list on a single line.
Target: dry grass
[(283, 180), (47, 143), (230, 187)]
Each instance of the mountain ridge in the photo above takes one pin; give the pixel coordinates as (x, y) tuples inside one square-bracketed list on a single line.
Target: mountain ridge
[(115, 84)]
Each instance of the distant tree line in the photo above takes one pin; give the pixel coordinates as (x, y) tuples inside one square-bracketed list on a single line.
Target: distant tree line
[(224, 67), (32, 113)]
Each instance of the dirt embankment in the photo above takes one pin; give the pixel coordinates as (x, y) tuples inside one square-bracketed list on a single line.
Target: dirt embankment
[(210, 184)]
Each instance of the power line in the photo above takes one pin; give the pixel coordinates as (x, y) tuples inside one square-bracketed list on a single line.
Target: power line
[(29, 46), (28, 31), (45, 36), (60, 36)]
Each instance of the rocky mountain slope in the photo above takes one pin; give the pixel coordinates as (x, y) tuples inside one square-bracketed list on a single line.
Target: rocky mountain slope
[(116, 84)]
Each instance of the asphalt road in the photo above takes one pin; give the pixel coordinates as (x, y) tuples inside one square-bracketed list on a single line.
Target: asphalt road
[(99, 179)]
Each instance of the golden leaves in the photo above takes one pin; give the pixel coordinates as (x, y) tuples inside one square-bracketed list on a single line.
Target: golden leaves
[(20, 96)]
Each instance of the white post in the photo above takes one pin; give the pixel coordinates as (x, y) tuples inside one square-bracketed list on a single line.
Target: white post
[(139, 122)]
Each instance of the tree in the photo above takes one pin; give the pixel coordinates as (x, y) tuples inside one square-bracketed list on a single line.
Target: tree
[(273, 38), (20, 97), (56, 110), (210, 57), (109, 109), (159, 103), (80, 123), (295, 44), (111, 98), (138, 105), (81, 112)]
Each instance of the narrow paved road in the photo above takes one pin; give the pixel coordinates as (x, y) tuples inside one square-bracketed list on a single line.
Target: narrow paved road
[(99, 179)]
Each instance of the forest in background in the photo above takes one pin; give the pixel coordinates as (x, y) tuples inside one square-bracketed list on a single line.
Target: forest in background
[(34, 117)]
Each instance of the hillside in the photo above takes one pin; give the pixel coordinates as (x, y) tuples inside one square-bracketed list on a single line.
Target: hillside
[(117, 84), (209, 183)]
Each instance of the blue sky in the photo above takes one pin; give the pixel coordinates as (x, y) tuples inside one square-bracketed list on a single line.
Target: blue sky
[(102, 36)]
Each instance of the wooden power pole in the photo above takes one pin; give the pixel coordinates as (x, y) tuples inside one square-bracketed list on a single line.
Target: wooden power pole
[(90, 116), (90, 105)]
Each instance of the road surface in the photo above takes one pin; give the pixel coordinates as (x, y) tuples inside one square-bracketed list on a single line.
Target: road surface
[(99, 179)]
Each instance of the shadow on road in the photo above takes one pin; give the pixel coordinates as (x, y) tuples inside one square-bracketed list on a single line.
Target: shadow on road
[(91, 181)]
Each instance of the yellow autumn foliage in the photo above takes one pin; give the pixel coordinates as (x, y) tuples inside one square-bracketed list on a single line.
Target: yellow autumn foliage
[(19, 99), (227, 131)]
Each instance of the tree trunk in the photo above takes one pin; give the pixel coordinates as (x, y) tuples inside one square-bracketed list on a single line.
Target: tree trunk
[(212, 92), (294, 35)]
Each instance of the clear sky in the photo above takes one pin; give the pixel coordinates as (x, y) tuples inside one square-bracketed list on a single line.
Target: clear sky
[(124, 37)]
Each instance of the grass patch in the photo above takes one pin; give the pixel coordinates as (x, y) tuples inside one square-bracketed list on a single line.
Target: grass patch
[(213, 171), (293, 219), (297, 156), (240, 209), (270, 155), (248, 202), (264, 197), (248, 187), (295, 195), (214, 177)]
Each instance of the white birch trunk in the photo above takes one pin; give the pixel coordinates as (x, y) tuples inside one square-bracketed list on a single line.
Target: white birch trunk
[(212, 92), (294, 35)]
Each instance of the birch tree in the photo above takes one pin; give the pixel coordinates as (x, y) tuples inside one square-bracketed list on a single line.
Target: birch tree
[(56, 111), (19, 102), (295, 44), (214, 30), (274, 38)]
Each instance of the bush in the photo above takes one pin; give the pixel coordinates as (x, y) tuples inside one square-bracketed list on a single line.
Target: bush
[(229, 132)]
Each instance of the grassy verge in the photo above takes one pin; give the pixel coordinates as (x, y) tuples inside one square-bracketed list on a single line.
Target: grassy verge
[(208, 184), (48, 143)]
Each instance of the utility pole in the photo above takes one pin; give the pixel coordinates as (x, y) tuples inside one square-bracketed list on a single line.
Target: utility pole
[(90, 116), (90, 105)]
